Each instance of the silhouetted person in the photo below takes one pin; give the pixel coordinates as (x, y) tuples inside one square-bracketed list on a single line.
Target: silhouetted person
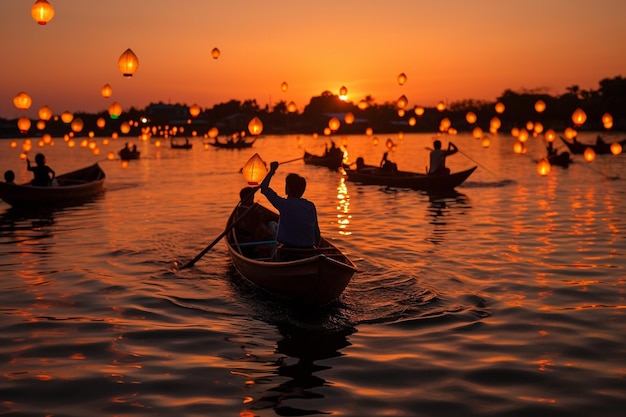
[(387, 165), (551, 150), (43, 173), (438, 158), (9, 177), (297, 224)]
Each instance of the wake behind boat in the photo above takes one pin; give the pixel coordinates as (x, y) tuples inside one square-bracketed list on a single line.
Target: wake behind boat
[(314, 276), (75, 186)]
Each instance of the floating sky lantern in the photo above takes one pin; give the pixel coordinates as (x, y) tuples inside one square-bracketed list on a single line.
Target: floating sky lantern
[(101, 122), (519, 147), (530, 125), (500, 107), (544, 167), (477, 132), (540, 106), (412, 121), (111, 156), (124, 128), (471, 118), (402, 78), (375, 141), (523, 135), (495, 124), (402, 102), (444, 124), (441, 106), (292, 107), (369, 131), (213, 132), (570, 133), (538, 129), (485, 142), (419, 111), (607, 121), (362, 104), (115, 110), (549, 135), (616, 148), (45, 113), (106, 91), (23, 124), (348, 118), (334, 124), (42, 12), (255, 127), (254, 170), (22, 101), (389, 143), (77, 125), (284, 86), (401, 113), (589, 154), (41, 125), (215, 53), (579, 117), (128, 63), (194, 110)]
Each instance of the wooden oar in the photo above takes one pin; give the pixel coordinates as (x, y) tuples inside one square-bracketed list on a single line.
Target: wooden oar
[(477, 163)]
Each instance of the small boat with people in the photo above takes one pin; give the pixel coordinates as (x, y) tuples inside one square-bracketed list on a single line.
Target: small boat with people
[(176, 144), (600, 147), (75, 186), (312, 276), (233, 143), (127, 153), (332, 158), (373, 175)]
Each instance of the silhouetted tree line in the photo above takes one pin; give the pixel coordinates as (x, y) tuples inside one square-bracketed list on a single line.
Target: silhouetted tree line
[(234, 115)]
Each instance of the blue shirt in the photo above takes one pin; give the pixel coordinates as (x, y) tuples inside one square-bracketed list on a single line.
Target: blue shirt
[(297, 225)]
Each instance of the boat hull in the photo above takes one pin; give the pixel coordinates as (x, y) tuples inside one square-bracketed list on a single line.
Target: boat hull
[(579, 148), (75, 186), (333, 161), (405, 179)]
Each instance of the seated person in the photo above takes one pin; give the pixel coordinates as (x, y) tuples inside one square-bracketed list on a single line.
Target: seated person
[(43, 173), (388, 166), (9, 177)]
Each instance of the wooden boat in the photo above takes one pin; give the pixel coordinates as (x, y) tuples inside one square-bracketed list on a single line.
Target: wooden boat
[(332, 160), (305, 276), (370, 175), (560, 159), (233, 144), (600, 147), (71, 187), (126, 154), (177, 145)]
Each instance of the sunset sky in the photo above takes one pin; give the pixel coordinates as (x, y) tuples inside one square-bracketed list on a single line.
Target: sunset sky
[(449, 50)]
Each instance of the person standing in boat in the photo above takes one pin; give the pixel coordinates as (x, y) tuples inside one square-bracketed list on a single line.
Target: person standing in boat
[(43, 173), (438, 158), (297, 224)]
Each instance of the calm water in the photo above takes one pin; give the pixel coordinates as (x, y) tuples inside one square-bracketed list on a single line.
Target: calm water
[(507, 299)]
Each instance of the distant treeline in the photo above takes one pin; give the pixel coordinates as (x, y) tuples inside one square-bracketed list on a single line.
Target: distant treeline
[(233, 116)]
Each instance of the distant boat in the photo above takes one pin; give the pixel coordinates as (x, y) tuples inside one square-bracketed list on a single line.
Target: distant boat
[(600, 147), (126, 154), (240, 143), (75, 186), (332, 160), (561, 159), (175, 144)]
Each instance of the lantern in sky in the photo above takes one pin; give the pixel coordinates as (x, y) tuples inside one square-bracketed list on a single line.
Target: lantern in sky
[(570, 133), (519, 147), (419, 111), (45, 113), (128, 63), (523, 135), (284, 86), (41, 125), (477, 133), (579, 117), (215, 53), (42, 12), (115, 109), (401, 112), (77, 125), (213, 132), (124, 128), (494, 124), (23, 124), (616, 148), (470, 117), (106, 91), (291, 107), (543, 167), (500, 107), (255, 127), (369, 131), (362, 105), (441, 106), (538, 127), (67, 117), (101, 122), (485, 142), (540, 106), (194, 110), (22, 101), (333, 124), (589, 154), (402, 101), (549, 135), (389, 143), (444, 124), (348, 118), (254, 170), (412, 121), (607, 121), (343, 93), (402, 78)]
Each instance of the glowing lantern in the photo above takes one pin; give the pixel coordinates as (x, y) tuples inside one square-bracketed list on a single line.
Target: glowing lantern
[(375, 141), (540, 106), (255, 127), (27, 145), (369, 131), (389, 143), (42, 12), (538, 127), (343, 92), (500, 107), (128, 63), (589, 154), (101, 122), (254, 170), (494, 124), (194, 110), (77, 125), (607, 121), (23, 124), (579, 117), (348, 118), (550, 135), (47, 139), (333, 124), (444, 124), (106, 91), (530, 125), (515, 132), (570, 133), (402, 78), (519, 147), (523, 135), (41, 125), (327, 131), (124, 128), (215, 53), (115, 109), (284, 86), (470, 117), (45, 113), (477, 133), (485, 142), (616, 148), (401, 113), (543, 167), (362, 105), (14, 144), (291, 107), (412, 121), (111, 156), (441, 106), (402, 101), (22, 101), (213, 132), (419, 111)]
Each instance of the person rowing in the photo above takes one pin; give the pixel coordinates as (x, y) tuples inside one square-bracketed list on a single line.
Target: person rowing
[(438, 158)]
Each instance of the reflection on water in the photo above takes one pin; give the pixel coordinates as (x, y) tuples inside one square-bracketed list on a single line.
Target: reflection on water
[(343, 208)]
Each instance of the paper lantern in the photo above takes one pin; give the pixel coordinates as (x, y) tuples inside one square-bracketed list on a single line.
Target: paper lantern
[(519, 147), (589, 154), (607, 121), (213, 132), (616, 148), (42, 12), (402, 78), (101, 122), (544, 167), (419, 111), (401, 113), (255, 127), (343, 92), (348, 118), (362, 105), (291, 107), (124, 128), (538, 127), (477, 133), (500, 107), (41, 125), (77, 125), (412, 121), (550, 135), (523, 135), (254, 170), (23, 124), (540, 106), (115, 110), (485, 142), (22, 101), (495, 123), (579, 117), (194, 110), (570, 133), (106, 91), (441, 106), (333, 124), (215, 53), (369, 131), (128, 63), (45, 113), (470, 117), (402, 102), (284, 86)]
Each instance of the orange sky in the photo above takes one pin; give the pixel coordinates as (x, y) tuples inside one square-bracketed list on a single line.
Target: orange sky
[(449, 50)]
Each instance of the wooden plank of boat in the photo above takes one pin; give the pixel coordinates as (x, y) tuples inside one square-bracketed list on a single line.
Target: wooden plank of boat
[(71, 187), (406, 179), (317, 277), (332, 161)]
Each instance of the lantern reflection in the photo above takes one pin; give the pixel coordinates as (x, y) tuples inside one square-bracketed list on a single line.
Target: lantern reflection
[(343, 208)]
